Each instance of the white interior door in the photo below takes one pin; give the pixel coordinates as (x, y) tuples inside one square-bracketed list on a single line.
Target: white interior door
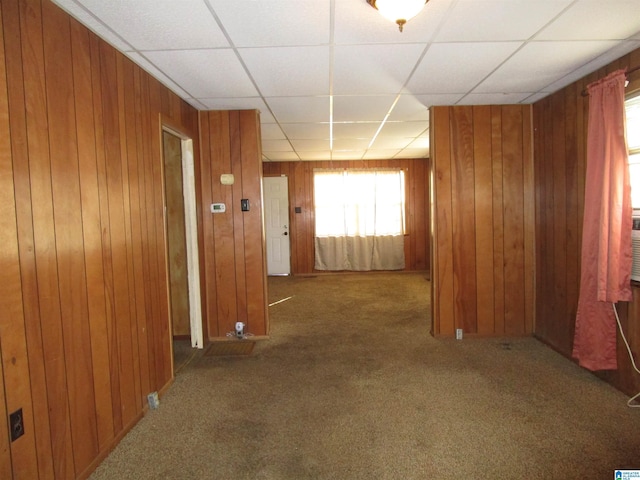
[(276, 201)]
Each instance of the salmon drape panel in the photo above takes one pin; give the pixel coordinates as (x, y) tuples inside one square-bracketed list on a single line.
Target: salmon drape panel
[(606, 237)]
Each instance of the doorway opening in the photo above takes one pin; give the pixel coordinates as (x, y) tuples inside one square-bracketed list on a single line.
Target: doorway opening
[(181, 246)]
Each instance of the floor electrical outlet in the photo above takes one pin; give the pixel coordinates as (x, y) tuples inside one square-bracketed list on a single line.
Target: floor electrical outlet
[(16, 425), (458, 334)]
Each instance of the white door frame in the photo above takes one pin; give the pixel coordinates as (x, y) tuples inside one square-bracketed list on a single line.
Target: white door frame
[(191, 233)]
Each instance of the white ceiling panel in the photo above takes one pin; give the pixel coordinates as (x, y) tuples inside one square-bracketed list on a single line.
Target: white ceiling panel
[(373, 69), (406, 129), (595, 20), (498, 20), (355, 130), (169, 25), (360, 109), (305, 68), (410, 108), (351, 143), (271, 131), (299, 109), (199, 72), (556, 59), (320, 69), (318, 145), (458, 67), (381, 153), (252, 23), (276, 145), (306, 130)]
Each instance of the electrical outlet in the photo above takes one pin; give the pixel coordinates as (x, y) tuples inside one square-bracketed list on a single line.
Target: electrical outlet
[(16, 425), (458, 334)]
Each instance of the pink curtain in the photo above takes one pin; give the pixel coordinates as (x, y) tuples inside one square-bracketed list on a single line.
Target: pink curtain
[(606, 237)]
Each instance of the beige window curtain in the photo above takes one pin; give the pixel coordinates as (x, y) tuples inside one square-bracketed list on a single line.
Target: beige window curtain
[(359, 219)]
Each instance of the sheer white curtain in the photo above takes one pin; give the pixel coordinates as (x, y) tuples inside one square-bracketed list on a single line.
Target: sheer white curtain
[(359, 219)]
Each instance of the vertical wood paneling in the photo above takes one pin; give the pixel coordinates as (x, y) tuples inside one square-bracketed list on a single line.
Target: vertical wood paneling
[(560, 158), (513, 207), (483, 200), (463, 221), (91, 226), (71, 279), (16, 393), (302, 225), (85, 332), (483, 173), (234, 273)]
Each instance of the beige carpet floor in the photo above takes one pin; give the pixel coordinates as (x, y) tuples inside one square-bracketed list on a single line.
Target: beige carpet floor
[(352, 386)]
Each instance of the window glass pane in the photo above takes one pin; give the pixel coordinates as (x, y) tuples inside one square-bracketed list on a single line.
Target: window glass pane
[(634, 176), (359, 203), (632, 106)]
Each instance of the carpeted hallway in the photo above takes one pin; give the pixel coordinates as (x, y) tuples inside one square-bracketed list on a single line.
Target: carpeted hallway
[(352, 386)]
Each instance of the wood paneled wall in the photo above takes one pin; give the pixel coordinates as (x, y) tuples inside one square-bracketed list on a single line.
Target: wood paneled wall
[(483, 265), (302, 225), (235, 269), (84, 329), (560, 142)]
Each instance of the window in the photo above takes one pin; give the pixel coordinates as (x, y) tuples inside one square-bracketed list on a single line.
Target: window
[(632, 107), (359, 203), (359, 219)]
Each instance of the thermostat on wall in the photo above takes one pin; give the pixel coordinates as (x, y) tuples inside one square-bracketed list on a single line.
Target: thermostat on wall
[(218, 208)]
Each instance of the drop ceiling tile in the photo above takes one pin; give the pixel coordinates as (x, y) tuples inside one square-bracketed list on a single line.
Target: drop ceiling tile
[(308, 131), (493, 98), (498, 20), (205, 73), (311, 145), (300, 109), (351, 143), (552, 59), (276, 146), (289, 71), (359, 23), (409, 107), (271, 131), (615, 20), (373, 69), (419, 143), (381, 153), (168, 24), (252, 23), (361, 108), (347, 154), (355, 129), (404, 129), (458, 67), (391, 141)]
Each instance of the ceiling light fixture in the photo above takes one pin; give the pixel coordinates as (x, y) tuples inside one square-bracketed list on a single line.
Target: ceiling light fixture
[(398, 11)]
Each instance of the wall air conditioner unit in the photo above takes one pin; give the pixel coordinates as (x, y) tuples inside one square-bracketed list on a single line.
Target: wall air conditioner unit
[(635, 246)]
